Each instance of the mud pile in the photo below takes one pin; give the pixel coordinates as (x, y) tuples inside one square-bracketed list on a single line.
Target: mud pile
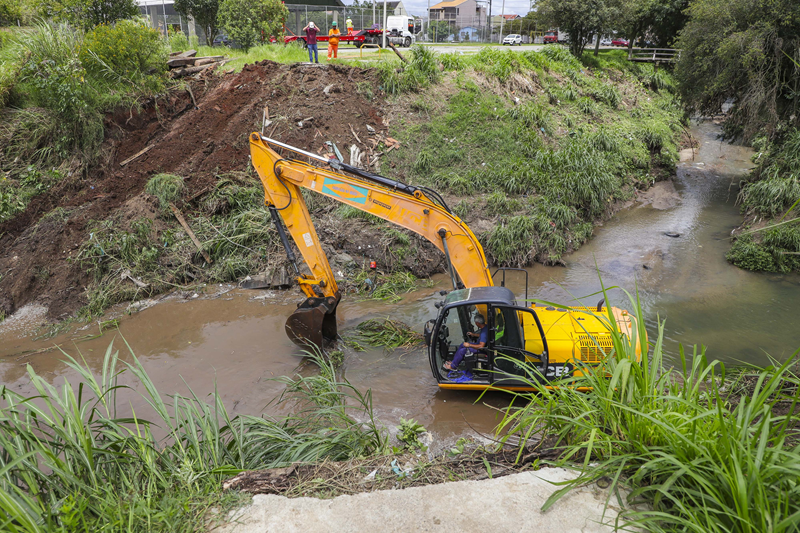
[(308, 105)]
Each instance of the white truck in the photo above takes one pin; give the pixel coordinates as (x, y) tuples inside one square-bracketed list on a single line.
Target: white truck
[(400, 30)]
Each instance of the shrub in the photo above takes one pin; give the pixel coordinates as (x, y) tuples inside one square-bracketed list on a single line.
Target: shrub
[(127, 50), (747, 254), (512, 242), (178, 42)]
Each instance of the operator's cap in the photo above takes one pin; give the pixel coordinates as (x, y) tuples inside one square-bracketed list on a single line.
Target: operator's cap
[(311, 25)]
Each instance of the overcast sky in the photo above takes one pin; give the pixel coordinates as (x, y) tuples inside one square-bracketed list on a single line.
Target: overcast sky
[(420, 7)]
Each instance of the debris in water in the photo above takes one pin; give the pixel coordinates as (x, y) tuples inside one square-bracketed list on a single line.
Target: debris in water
[(672, 234)]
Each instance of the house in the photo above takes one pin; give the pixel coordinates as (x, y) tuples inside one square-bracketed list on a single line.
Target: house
[(459, 13), (394, 8), (496, 20)]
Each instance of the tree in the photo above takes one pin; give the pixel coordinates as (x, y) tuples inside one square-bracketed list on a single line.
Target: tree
[(108, 11), (249, 21), (581, 19), (743, 51), (87, 14), (204, 13), (438, 30)]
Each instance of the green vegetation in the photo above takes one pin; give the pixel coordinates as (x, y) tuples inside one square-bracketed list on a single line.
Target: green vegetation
[(704, 451), (251, 21), (291, 53), (385, 286), (391, 334), (551, 162), (409, 431), (133, 260), (166, 187), (204, 13), (772, 193), (72, 462), (56, 83)]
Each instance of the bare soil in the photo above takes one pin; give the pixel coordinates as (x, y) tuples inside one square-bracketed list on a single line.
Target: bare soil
[(38, 248)]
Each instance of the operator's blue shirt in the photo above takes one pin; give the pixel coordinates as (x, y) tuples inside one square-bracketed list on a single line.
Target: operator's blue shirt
[(484, 336)]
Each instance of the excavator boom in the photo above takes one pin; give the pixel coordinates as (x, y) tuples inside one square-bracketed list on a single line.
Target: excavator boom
[(415, 208)]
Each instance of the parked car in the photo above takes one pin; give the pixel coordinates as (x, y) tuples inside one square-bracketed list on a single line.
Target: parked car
[(605, 42), (222, 40), (619, 42), (513, 38)]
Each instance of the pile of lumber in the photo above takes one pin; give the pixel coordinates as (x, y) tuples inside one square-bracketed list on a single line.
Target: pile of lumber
[(185, 63)]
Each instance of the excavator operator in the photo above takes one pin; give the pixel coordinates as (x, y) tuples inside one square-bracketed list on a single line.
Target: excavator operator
[(467, 347)]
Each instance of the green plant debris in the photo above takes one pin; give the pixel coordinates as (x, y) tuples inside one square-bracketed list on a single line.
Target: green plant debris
[(134, 480), (704, 452), (409, 431), (390, 334), (166, 187), (385, 286)]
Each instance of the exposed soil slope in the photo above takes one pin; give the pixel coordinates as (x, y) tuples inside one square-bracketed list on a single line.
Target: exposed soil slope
[(37, 247)]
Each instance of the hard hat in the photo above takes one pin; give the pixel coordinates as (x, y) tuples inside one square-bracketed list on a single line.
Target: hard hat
[(311, 25), (334, 23)]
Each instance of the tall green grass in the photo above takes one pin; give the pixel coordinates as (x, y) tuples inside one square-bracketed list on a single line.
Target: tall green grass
[(71, 461), (702, 456)]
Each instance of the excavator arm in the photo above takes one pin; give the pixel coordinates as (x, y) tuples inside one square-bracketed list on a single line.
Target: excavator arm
[(415, 208)]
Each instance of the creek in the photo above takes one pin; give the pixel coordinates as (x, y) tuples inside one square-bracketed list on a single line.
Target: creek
[(234, 338)]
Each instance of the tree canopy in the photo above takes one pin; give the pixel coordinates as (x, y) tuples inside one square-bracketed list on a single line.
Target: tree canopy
[(581, 19), (87, 14), (249, 21), (204, 13), (742, 50)]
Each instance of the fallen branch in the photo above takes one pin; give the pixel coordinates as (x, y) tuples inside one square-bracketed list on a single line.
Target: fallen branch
[(191, 234), (136, 155), (396, 51)]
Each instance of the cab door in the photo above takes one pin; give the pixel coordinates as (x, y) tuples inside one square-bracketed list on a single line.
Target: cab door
[(517, 346)]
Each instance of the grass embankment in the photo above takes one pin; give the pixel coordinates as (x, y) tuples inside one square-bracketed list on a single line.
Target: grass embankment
[(55, 84), (770, 203), (704, 451), (539, 143), (71, 462)]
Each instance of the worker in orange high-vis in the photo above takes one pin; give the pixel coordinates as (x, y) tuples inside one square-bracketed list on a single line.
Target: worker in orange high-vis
[(333, 40)]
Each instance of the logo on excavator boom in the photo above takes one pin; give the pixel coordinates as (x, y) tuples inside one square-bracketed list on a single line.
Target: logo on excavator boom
[(345, 191)]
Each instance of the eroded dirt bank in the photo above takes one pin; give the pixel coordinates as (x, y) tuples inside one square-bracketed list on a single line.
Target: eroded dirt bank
[(307, 106)]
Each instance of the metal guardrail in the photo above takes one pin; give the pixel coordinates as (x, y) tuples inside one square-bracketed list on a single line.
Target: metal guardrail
[(654, 55)]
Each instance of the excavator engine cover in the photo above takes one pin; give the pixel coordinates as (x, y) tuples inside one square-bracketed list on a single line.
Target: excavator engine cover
[(314, 322)]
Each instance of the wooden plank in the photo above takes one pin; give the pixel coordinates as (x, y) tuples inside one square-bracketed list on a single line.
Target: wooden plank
[(206, 60), (188, 53), (191, 234), (137, 154), (180, 62), (180, 72)]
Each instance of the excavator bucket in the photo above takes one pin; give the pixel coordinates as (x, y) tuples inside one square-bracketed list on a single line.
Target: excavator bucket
[(313, 324)]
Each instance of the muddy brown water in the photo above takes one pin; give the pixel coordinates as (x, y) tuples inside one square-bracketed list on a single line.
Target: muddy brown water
[(234, 338)]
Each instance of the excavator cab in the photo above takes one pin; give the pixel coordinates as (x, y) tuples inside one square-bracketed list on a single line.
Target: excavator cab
[(516, 344)]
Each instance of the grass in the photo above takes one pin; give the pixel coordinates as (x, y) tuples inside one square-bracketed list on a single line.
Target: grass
[(292, 53), (548, 162), (385, 286), (231, 224), (51, 109), (166, 187), (771, 193), (389, 334), (702, 453), (71, 461)]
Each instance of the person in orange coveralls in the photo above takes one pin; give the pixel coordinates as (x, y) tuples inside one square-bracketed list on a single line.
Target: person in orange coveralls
[(333, 40)]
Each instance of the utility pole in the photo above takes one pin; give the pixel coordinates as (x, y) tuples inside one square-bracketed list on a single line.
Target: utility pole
[(373, 11), (502, 20), (491, 26), (384, 23), (429, 20)]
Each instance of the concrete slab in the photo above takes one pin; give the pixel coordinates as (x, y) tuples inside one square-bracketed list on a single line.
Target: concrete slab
[(510, 503)]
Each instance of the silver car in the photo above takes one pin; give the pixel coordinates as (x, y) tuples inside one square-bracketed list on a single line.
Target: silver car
[(512, 39)]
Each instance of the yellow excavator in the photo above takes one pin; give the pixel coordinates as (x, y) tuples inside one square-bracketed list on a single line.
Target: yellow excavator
[(519, 337)]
